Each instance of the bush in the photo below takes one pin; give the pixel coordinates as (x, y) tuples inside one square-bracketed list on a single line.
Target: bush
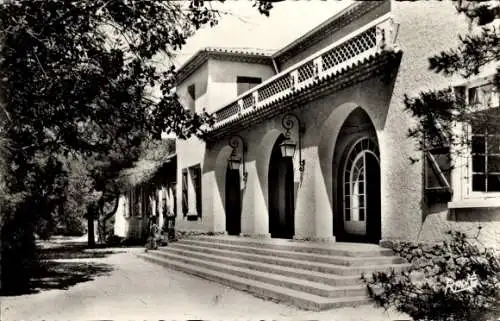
[(455, 280), (44, 228), (114, 240), (71, 226)]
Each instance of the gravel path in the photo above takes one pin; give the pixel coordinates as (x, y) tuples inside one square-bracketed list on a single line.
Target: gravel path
[(139, 290)]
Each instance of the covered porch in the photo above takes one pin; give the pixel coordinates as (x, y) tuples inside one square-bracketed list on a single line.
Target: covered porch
[(277, 157)]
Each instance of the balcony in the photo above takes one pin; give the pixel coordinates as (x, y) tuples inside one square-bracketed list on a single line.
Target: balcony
[(364, 44)]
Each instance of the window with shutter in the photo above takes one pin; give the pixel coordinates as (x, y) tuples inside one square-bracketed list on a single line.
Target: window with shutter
[(476, 168), (197, 188), (437, 167), (174, 199), (185, 206)]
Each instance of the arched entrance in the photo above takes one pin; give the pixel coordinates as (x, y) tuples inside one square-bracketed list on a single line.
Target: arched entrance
[(357, 180), (233, 202), (281, 198)]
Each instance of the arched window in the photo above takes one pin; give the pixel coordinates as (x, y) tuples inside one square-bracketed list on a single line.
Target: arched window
[(355, 179)]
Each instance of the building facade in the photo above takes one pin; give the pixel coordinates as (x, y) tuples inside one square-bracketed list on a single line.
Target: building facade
[(310, 142), (149, 196)]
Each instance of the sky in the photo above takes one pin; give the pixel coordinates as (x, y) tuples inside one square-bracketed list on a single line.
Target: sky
[(242, 26)]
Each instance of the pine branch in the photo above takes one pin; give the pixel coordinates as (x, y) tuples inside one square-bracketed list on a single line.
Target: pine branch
[(474, 52)]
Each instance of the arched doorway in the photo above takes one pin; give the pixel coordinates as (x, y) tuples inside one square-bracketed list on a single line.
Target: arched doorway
[(357, 180), (281, 198), (233, 202)]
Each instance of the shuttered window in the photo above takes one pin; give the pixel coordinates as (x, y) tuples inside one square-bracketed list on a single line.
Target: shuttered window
[(196, 172), (437, 168), (174, 199), (185, 206)]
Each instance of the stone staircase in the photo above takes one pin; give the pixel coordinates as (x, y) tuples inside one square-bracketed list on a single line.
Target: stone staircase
[(312, 276)]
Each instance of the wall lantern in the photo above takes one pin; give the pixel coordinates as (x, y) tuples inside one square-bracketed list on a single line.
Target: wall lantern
[(237, 158), (234, 161), (288, 146)]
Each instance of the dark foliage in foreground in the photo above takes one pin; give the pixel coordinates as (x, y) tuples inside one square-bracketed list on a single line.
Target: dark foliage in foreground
[(80, 80), (455, 280)]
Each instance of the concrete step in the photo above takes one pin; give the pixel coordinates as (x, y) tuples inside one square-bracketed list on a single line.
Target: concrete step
[(281, 279), (333, 249), (298, 298), (310, 257), (325, 278), (299, 264)]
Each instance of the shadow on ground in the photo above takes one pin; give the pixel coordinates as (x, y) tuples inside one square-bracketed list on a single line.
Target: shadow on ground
[(64, 274), (62, 265), (56, 251)]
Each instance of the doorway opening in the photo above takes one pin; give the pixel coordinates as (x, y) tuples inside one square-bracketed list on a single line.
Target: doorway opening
[(281, 194), (233, 202), (357, 181)]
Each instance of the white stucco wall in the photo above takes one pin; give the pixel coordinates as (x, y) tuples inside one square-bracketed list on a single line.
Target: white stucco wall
[(189, 153), (200, 79), (222, 79), (323, 119), (217, 79), (425, 28)]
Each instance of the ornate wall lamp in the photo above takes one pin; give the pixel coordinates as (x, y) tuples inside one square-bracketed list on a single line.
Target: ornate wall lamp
[(288, 146), (238, 155)]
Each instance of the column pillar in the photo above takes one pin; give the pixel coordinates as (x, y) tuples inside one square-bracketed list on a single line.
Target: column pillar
[(323, 187), (254, 216), (313, 212), (213, 202), (305, 205)]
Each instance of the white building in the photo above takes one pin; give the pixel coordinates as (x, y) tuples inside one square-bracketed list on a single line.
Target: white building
[(336, 96)]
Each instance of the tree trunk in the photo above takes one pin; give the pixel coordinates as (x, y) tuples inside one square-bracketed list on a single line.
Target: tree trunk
[(90, 227), (104, 217), (107, 216)]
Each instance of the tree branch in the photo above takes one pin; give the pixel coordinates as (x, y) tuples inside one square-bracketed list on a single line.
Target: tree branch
[(113, 211)]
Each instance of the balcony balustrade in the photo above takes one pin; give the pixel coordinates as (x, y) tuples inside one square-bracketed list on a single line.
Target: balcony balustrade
[(373, 38)]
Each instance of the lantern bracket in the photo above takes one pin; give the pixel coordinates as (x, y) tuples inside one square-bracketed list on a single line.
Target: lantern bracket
[(288, 122), (237, 143)]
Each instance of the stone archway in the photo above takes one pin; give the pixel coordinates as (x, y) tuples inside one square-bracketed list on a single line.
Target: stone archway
[(281, 202), (356, 187)]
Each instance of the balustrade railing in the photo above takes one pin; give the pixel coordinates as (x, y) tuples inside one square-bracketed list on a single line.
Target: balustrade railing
[(374, 37)]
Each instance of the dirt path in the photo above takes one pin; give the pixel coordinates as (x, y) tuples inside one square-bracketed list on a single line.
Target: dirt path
[(129, 288)]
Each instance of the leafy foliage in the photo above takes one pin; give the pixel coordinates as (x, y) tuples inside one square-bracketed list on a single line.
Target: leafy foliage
[(436, 111), (439, 284), (80, 81)]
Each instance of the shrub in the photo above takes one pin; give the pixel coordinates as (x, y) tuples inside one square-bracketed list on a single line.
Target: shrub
[(455, 280), (71, 226), (114, 240)]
